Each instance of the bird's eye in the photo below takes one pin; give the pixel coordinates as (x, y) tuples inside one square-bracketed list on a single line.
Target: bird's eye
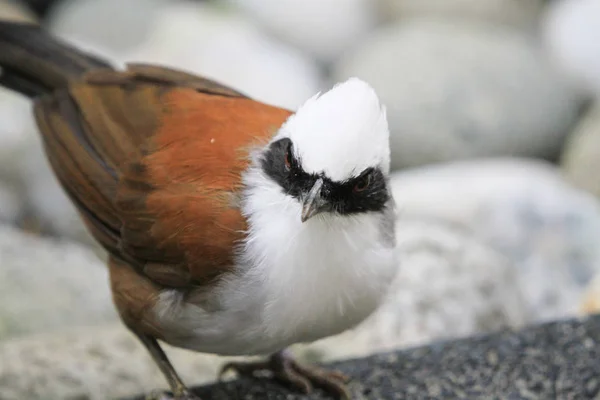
[(363, 183), (288, 158)]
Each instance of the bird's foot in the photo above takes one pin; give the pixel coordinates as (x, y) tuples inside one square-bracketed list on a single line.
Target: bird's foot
[(283, 367), (161, 395)]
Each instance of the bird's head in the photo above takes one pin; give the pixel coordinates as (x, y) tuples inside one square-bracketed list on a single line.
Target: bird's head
[(333, 154)]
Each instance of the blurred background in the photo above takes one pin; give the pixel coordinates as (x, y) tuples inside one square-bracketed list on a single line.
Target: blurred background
[(495, 126)]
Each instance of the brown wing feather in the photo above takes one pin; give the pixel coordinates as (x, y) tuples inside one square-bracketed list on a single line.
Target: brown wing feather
[(152, 158)]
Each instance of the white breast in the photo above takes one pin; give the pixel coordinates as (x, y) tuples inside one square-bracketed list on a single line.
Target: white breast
[(294, 282)]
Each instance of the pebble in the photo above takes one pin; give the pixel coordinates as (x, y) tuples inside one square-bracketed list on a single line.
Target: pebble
[(323, 29), (523, 209), (10, 205), (104, 362), (49, 285), (570, 29), (519, 14), (84, 23)]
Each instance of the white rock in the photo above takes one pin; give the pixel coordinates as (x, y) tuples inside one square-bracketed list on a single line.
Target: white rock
[(105, 362), (515, 13), (463, 91), (49, 285), (323, 28), (524, 210), (11, 207), (110, 28), (16, 137), (572, 30), (581, 153), (224, 46), (17, 132)]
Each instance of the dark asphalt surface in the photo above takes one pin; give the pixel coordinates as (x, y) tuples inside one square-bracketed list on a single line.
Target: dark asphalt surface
[(559, 360)]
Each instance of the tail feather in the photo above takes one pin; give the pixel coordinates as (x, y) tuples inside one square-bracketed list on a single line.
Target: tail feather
[(34, 62)]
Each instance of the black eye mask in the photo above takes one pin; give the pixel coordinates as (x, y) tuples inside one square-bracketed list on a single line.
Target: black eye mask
[(366, 192)]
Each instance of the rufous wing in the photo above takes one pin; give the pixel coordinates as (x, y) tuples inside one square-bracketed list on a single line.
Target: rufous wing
[(152, 158)]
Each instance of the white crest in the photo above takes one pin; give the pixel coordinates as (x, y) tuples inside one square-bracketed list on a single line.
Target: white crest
[(341, 132)]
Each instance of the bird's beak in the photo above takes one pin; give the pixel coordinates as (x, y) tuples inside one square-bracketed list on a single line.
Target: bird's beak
[(313, 203)]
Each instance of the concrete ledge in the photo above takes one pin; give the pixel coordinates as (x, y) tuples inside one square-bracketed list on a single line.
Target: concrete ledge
[(559, 360)]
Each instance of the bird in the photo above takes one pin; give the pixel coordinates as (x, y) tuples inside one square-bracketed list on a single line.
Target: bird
[(232, 226)]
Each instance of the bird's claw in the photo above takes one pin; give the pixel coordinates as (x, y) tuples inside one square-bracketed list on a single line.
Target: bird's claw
[(284, 368)]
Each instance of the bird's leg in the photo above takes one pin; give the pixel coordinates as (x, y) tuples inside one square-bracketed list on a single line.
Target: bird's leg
[(180, 391), (283, 367)]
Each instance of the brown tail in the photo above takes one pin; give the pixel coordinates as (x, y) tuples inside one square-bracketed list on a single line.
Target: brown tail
[(33, 62)]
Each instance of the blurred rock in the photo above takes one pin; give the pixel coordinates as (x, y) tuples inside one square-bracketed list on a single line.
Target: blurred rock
[(92, 364), (522, 14), (525, 211), (463, 91), (224, 46), (10, 205), (110, 28), (17, 132), (49, 285), (14, 139), (15, 10), (581, 154), (324, 29), (17, 135), (570, 29)]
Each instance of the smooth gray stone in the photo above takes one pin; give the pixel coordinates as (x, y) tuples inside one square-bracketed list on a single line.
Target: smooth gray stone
[(559, 360)]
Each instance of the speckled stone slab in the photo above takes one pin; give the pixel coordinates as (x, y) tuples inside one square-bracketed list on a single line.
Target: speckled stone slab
[(559, 360)]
